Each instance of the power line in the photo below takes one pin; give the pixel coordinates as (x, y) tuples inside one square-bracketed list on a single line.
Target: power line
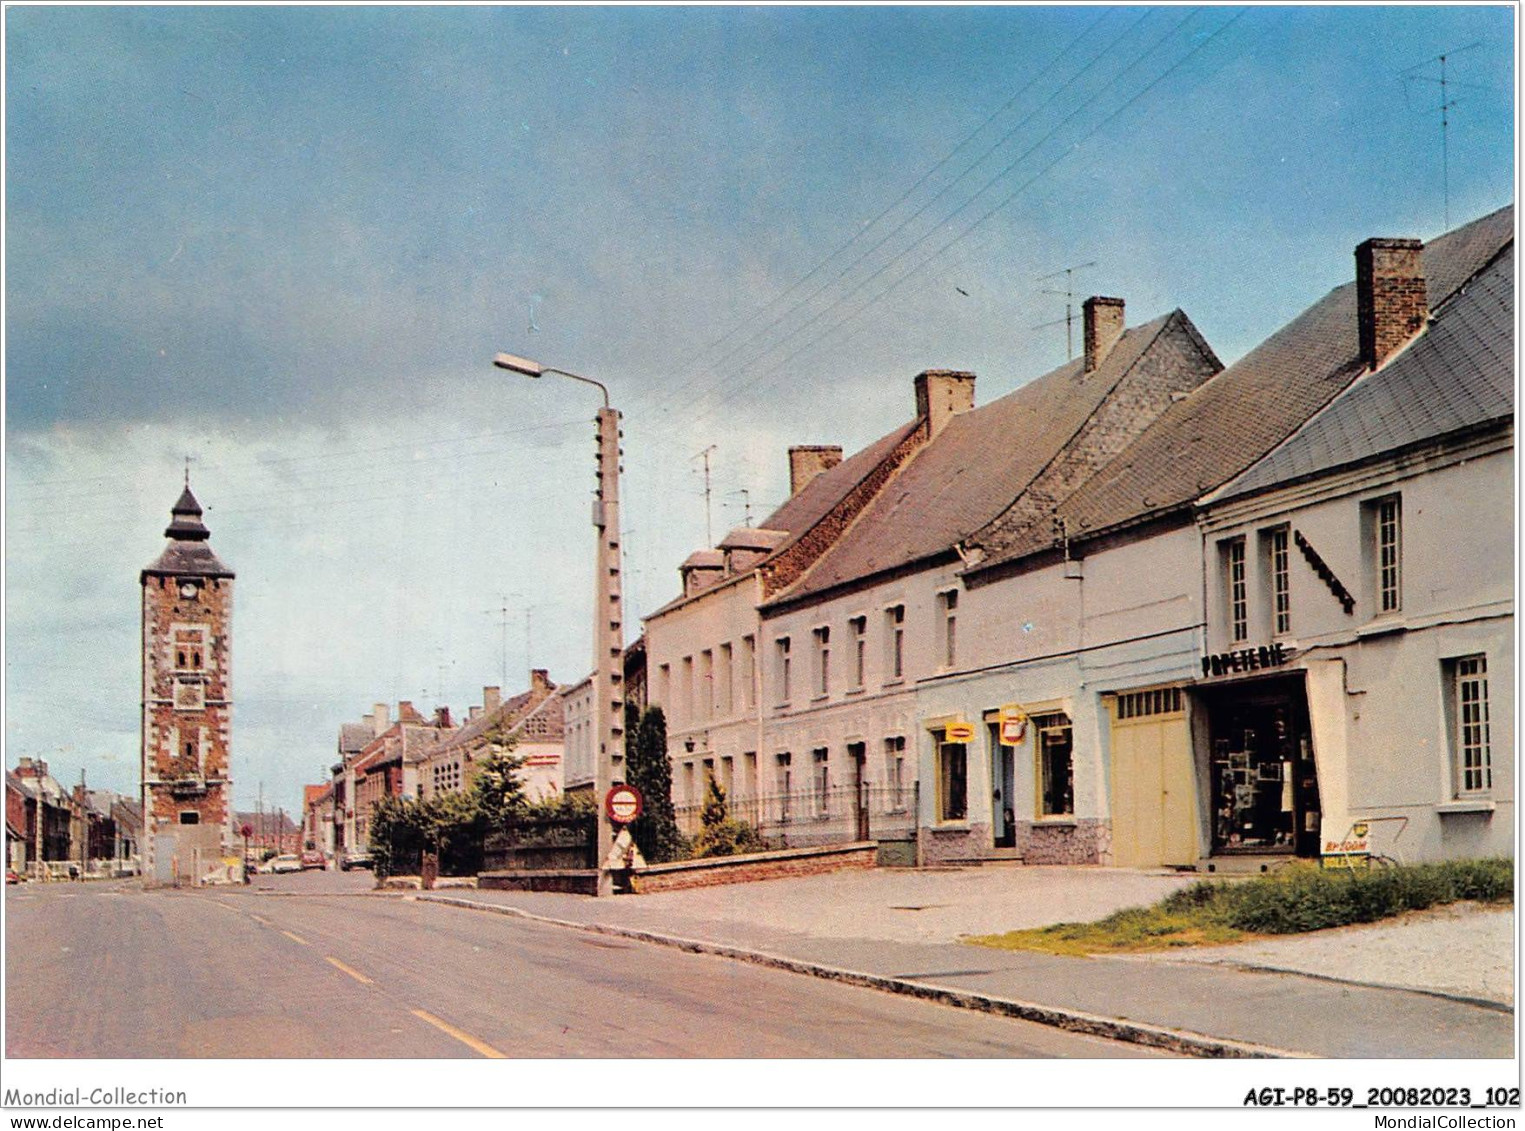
[(672, 395), (1008, 199), (833, 305)]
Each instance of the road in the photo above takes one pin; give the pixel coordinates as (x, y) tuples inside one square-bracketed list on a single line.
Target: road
[(108, 970)]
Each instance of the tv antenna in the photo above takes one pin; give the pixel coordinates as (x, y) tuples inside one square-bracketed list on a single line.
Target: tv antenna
[(1069, 303), (746, 505), (1445, 82), (709, 538)]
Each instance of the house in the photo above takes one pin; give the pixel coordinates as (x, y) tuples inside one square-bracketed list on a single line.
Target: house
[(1093, 634), (878, 730), (318, 818), (389, 765), (703, 664), (353, 739), (1357, 691), (270, 830), (48, 811), (533, 721)]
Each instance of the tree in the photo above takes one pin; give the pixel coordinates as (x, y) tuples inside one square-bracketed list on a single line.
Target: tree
[(647, 768), (721, 835), (495, 786)]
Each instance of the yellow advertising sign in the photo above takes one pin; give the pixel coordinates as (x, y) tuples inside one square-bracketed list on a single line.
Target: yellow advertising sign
[(1013, 722), (958, 732)]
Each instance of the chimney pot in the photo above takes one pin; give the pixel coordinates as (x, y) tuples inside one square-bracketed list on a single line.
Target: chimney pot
[(806, 461), (942, 394), (1104, 324), (1391, 303)]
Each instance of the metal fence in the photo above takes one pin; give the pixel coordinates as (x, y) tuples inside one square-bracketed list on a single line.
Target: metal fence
[(838, 815)]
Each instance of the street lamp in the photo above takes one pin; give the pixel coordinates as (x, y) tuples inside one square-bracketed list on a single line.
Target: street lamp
[(608, 620)]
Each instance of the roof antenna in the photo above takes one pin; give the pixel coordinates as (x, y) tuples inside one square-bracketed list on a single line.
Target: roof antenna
[(1069, 304), (709, 538), (1446, 102)]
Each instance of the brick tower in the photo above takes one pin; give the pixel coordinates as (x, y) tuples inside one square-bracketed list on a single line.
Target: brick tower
[(187, 703)]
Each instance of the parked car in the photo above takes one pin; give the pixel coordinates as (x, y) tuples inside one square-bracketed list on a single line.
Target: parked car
[(313, 859), (354, 860), (287, 862), (12, 877)]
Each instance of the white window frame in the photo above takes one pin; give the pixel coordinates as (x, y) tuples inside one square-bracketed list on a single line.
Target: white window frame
[(1279, 564), (894, 643), (1388, 523), (858, 628), (947, 607), (781, 648), (1236, 589), (821, 637), (1471, 737)]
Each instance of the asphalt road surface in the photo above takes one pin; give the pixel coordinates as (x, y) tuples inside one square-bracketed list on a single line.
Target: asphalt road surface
[(107, 970)]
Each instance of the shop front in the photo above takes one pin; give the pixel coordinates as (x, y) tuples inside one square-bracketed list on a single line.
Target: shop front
[(1262, 776)]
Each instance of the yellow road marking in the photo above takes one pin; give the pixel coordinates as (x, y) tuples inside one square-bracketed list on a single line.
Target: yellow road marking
[(466, 1039), (259, 919), (295, 938), (353, 973), (225, 906)]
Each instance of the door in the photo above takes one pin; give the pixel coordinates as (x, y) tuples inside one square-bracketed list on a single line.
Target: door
[(1003, 785), (166, 846), (1154, 801), (857, 754)]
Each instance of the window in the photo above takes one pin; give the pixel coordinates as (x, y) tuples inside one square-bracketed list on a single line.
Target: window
[(822, 661), (783, 668), (820, 780), (727, 775), (1056, 765), (748, 671), (894, 636), (1141, 704), (706, 684), (858, 627), (1389, 554), (1281, 582), (190, 817), (664, 685), (948, 604), (952, 780), (783, 783), (1238, 599), (749, 782), (724, 681), (1471, 739), (686, 690), (894, 772), (690, 796)]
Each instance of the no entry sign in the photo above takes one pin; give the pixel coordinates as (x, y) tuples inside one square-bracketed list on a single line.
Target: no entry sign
[(623, 804)]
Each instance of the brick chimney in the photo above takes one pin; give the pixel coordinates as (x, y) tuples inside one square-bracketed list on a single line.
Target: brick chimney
[(1391, 305), (806, 461), (492, 699), (442, 718), (941, 394), (379, 717), (474, 714), (540, 682), (1103, 320)]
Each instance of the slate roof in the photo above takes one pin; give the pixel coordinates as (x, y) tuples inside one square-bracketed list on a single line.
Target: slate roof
[(187, 554), (354, 737), (972, 470), (1458, 375), (520, 716), (1234, 419), (802, 511)]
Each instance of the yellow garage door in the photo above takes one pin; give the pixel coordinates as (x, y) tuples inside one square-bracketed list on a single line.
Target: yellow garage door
[(1154, 791)]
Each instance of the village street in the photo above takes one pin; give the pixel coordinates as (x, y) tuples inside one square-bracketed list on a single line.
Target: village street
[(108, 970)]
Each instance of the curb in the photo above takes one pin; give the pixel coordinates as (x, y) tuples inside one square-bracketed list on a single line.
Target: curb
[(1443, 995), (1075, 1021)]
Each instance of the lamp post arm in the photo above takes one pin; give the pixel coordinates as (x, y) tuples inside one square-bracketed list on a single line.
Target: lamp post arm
[(585, 380)]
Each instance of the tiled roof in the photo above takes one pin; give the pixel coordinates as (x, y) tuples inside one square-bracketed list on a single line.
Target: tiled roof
[(975, 467), (1457, 375), (1233, 420), (521, 716), (813, 502), (355, 737), (187, 554)]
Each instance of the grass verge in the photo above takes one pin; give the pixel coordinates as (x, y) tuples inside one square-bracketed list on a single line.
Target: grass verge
[(1297, 899)]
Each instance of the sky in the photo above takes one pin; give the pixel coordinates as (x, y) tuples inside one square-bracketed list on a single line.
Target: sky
[(284, 243)]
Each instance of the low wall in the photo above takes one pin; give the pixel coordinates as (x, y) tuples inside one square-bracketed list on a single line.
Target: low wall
[(578, 881), (755, 866)]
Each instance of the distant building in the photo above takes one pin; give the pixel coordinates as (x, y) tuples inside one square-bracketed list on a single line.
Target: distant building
[(187, 704), (532, 721)]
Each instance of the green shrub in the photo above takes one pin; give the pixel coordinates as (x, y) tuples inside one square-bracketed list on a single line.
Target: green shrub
[(720, 834)]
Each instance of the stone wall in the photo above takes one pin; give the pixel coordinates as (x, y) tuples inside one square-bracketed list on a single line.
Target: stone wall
[(755, 866), (962, 844), (1087, 840)]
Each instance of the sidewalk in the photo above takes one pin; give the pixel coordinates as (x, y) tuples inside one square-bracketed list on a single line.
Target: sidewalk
[(899, 930)]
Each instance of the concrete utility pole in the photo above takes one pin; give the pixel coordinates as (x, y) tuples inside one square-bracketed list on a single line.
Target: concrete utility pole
[(608, 616)]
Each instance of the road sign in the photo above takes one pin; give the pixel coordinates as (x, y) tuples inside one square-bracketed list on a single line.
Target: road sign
[(1013, 724), (958, 732), (623, 804)]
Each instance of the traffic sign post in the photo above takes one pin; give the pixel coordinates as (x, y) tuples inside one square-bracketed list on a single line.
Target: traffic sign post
[(623, 804)]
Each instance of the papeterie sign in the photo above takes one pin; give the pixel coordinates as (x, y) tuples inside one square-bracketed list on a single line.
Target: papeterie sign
[(1245, 660)]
